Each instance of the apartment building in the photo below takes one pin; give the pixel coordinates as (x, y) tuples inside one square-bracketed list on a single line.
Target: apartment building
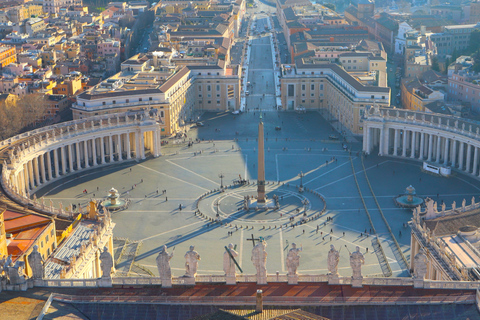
[(455, 37), (415, 95), (464, 86), (8, 54), (315, 85)]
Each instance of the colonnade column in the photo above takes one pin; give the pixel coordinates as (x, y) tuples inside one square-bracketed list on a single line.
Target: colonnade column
[(156, 146), (85, 155), (49, 165), (439, 143), (454, 152), (79, 161), (142, 145), (64, 162), (37, 171), (128, 145), (102, 148), (55, 162), (119, 137), (42, 168), (445, 153), (413, 146), (475, 161), (395, 143), (94, 151), (111, 147), (70, 157), (460, 157), (25, 177), (469, 158), (422, 145), (430, 147), (366, 137), (404, 144)]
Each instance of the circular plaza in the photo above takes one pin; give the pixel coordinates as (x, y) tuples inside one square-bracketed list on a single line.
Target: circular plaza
[(176, 199)]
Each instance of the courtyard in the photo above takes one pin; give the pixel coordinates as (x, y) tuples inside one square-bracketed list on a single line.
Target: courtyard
[(228, 148)]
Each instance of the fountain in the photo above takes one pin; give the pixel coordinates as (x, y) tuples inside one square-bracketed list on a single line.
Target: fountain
[(409, 199), (114, 202)]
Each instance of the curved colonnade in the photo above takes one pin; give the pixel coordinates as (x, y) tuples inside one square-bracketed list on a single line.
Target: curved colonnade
[(442, 140), (39, 157)]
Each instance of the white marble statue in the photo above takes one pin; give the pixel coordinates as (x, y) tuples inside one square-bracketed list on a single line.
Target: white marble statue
[(464, 203), (420, 265), (163, 263), (293, 260), (106, 263), (191, 262), (454, 206), (228, 264), (333, 258), (259, 258), (356, 262), (35, 260), (15, 273)]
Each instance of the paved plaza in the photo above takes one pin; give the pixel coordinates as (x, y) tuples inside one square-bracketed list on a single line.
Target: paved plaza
[(302, 145)]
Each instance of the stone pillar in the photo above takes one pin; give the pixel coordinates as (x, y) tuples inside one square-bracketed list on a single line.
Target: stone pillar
[(37, 171), (404, 144), (55, 162), (445, 153), (102, 149), (475, 161), (430, 147), (469, 158), (94, 151), (413, 146), (42, 168), (365, 140), (127, 142), (30, 174), (454, 153), (70, 157), (110, 141), (439, 143), (422, 145), (77, 150), (156, 144), (119, 137), (25, 177), (137, 145), (49, 165), (142, 146), (460, 156), (64, 161), (386, 140), (395, 143), (85, 155)]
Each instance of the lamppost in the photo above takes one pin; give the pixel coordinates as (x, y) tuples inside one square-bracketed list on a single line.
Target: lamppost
[(221, 176), (305, 203), (301, 175)]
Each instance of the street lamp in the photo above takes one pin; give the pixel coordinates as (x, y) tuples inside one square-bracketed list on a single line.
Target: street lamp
[(221, 176), (305, 203), (301, 175)]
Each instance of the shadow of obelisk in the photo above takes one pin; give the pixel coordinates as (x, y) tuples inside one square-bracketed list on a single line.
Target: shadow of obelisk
[(261, 165)]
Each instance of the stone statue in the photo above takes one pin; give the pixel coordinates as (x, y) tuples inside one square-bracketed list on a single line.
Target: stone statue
[(35, 260), (333, 258), (15, 274), (443, 207), (420, 265), (228, 264), (259, 258), (163, 263), (191, 262), (2, 265), (293, 260), (106, 263), (356, 262), (464, 203), (454, 206)]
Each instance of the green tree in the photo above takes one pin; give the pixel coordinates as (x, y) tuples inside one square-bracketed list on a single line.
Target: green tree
[(435, 64), (474, 44), (330, 6)]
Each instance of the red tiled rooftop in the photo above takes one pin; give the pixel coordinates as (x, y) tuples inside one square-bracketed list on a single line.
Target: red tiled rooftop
[(24, 221)]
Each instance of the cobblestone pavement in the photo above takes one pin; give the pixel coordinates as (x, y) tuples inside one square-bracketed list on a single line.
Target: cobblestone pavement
[(302, 145)]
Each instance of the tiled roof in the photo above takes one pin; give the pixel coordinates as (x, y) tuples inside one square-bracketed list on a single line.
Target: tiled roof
[(451, 224)]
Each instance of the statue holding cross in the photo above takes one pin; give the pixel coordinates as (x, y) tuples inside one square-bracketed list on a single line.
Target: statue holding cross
[(259, 259)]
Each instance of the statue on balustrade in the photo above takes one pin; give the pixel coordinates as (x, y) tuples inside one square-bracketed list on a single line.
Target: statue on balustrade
[(163, 263), (333, 259), (15, 272), (420, 265), (35, 260), (356, 262), (293, 260), (259, 258), (191, 262), (228, 263), (106, 263)]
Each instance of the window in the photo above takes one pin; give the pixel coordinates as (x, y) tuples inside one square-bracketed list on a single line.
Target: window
[(150, 99), (372, 97), (312, 101), (209, 101), (114, 101), (291, 90), (139, 99), (321, 87), (218, 102), (103, 103), (218, 87), (127, 100), (303, 101), (312, 87), (209, 88), (303, 87)]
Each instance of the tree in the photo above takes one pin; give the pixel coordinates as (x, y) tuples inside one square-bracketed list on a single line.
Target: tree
[(330, 6), (32, 108), (435, 64)]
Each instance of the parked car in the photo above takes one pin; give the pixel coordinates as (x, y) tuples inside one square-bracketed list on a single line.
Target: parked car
[(199, 124)]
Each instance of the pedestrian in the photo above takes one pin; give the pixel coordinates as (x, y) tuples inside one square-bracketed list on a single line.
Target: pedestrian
[(344, 233), (367, 249), (94, 195), (331, 230), (142, 180), (157, 191), (303, 231), (330, 238), (166, 199)]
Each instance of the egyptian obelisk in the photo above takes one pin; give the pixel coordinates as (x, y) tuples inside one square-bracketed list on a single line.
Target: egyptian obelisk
[(261, 165)]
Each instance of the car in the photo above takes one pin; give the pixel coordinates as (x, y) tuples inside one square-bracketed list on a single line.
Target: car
[(247, 93), (199, 124), (236, 112), (278, 128), (333, 137)]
